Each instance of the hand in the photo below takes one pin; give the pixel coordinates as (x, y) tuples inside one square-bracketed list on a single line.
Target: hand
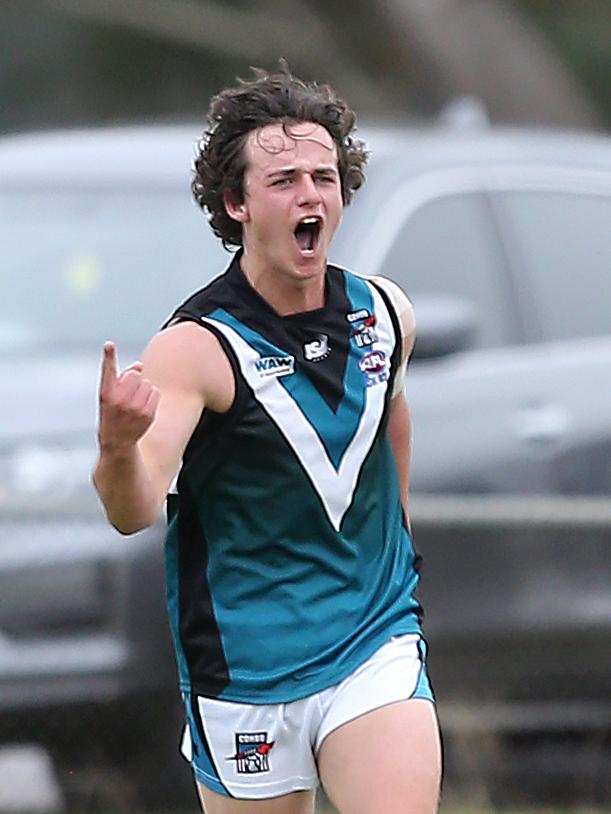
[(128, 403)]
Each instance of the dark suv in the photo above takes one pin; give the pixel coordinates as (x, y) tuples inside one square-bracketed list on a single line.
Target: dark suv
[(503, 241)]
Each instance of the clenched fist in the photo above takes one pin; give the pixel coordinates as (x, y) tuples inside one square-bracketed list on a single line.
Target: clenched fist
[(128, 403)]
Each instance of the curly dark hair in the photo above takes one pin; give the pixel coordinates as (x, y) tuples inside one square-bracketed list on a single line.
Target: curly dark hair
[(254, 103)]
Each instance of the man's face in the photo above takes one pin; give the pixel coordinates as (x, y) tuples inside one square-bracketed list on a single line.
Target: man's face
[(292, 197)]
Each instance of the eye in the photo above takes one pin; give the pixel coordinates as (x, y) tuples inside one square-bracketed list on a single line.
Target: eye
[(282, 182)]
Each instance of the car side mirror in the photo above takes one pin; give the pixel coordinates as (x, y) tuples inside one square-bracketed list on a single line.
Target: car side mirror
[(445, 324)]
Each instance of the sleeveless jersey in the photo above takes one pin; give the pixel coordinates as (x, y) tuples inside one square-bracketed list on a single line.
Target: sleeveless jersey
[(288, 559)]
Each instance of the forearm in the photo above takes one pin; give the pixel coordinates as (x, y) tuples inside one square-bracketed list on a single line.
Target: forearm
[(126, 489)]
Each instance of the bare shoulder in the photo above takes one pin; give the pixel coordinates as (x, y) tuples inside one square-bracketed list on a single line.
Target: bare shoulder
[(188, 357)]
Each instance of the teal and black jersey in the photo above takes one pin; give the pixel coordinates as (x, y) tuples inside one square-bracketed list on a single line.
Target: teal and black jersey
[(288, 559)]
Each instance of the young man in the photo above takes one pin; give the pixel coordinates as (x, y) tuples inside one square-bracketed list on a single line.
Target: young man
[(276, 393)]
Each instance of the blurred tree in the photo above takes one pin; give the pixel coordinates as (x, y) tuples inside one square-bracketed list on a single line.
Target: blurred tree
[(236, 31), (133, 58), (580, 30), (484, 48)]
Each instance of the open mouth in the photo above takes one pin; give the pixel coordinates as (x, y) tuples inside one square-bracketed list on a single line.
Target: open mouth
[(307, 233)]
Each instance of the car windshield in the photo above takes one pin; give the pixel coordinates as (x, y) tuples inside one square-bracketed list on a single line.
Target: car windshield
[(81, 266)]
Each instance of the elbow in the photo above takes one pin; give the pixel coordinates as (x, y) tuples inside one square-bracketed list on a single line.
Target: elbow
[(127, 529), (128, 513), (131, 524)]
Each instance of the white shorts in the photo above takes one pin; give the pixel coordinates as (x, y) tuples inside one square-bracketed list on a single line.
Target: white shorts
[(257, 751)]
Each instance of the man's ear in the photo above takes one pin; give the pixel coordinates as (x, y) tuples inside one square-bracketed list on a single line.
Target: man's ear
[(236, 211)]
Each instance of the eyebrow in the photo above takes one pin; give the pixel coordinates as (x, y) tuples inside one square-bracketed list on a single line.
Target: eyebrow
[(292, 170)]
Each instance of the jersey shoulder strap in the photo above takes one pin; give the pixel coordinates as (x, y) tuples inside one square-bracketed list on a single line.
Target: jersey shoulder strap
[(404, 311)]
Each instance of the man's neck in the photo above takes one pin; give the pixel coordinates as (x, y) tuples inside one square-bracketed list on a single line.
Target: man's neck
[(283, 293)]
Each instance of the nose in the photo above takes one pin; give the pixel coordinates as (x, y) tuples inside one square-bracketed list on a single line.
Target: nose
[(308, 192)]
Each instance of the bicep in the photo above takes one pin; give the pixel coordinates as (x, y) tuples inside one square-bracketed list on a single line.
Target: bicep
[(175, 362), (164, 443)]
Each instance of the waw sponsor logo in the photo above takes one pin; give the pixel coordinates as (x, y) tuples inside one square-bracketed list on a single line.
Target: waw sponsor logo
[(275, 365)]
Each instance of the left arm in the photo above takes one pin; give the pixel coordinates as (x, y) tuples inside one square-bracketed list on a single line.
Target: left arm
[(399, 427), (399, 431)]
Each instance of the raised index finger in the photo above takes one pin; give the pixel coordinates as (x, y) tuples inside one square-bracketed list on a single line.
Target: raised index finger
[(109, 366)]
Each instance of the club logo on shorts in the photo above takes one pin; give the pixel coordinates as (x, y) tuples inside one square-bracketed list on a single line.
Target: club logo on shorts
[(251, 752), (374, 366)]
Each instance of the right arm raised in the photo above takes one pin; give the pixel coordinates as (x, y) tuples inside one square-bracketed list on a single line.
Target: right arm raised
[(147, 414)]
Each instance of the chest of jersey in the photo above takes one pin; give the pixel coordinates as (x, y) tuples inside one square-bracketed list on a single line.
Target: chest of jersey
[(328, 415)]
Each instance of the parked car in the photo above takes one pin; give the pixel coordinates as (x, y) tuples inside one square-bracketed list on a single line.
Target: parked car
[(502, 240)]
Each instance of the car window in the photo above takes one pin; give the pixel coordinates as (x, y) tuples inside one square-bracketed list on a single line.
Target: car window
[(449, 246), (77, 267), (565, 242)]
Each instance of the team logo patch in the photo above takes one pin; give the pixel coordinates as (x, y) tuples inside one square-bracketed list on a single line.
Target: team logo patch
[(375, 367), (251, 752), (354, 316), (275, 365), (364, 332), (318, 349)]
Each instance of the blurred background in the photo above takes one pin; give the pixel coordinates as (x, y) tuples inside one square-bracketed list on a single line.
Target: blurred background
[(488, 199), (542, 62)]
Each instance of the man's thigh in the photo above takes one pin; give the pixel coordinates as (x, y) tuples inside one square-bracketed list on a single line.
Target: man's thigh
[(387, 761), (298, 802)]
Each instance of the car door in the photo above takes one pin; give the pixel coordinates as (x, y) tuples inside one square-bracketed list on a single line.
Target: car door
[(437, 237), (559, 227)]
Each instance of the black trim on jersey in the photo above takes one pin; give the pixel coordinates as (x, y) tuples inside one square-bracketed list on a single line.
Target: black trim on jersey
[(411, 353), (198, 631), (395, 360)]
